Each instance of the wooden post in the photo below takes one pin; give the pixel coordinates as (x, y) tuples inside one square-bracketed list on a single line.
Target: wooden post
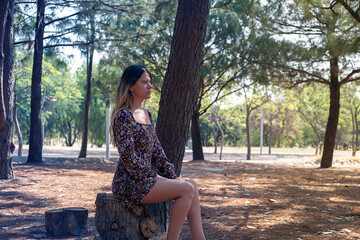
[(113, 221)]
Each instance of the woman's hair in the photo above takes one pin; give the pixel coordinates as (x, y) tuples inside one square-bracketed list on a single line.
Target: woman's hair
[(123, 96)]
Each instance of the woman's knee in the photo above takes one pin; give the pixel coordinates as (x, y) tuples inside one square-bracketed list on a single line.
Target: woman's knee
[(188, 189), (192, 181)]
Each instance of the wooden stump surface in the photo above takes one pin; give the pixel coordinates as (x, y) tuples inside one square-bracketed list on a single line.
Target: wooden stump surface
[(66, 221)]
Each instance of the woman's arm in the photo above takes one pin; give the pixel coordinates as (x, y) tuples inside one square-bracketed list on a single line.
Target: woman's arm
[(160, 161)]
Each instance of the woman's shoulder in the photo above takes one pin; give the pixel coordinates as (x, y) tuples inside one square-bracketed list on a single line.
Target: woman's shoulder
[(123, 114), (149, 114)]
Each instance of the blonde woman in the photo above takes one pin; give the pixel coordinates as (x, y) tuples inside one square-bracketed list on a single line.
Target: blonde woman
[(144, 174)]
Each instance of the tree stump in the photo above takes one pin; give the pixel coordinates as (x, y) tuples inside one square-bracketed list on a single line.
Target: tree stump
[(66, 221), (113, 221)]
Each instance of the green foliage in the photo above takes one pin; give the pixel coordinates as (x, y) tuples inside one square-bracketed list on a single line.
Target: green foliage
[(246, 42)]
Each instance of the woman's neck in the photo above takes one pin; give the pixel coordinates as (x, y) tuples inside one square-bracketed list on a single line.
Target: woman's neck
[(136, 105)]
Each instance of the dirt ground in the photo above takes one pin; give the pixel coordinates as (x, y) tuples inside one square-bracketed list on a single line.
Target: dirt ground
[(240, 199)]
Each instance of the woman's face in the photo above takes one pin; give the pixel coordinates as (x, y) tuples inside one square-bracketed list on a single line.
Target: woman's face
[(141, 89)]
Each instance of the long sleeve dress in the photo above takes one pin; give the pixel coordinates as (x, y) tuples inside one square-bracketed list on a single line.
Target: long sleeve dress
[(141, 158)]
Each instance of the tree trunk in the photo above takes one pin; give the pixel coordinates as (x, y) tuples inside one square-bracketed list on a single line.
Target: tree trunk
[(198, 153), (222, 135), (90, 58), (17, 126), (6, 88), (248, 111), (36, 133), (70, 221), (215, 134), (356, 131), (181, 78), (222, 143), (113, 221), (69, 138), (331, 127), (271, 138), (353, 133)]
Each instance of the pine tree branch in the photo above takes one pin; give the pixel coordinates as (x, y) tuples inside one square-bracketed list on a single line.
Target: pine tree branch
[(353, 13), (118, 7), (348, 78), (222, 5), (218, 97), (63, 18), (16, 3)]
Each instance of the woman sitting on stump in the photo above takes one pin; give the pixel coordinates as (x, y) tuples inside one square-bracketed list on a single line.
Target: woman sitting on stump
[(144, 174)]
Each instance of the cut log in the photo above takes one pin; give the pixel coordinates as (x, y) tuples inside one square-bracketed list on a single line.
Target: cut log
[(66, 221), (114, 222)]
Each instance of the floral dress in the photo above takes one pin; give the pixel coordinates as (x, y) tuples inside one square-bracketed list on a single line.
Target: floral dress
[(141, 158)]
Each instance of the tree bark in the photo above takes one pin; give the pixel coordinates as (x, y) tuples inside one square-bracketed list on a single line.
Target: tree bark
[(113, 221), (6, 88), (84, 140), (36, 133), (331, 127), (181, 78), (197, 149), (198, 153)]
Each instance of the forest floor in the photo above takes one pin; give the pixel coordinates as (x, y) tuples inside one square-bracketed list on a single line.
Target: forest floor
[(284, 195)]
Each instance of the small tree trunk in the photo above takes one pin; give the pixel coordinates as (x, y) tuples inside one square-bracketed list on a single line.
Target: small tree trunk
[(353, 133), (331, 127), (36, 131), (248, 111), (84, 139), (17, 126), (215, 134), (356, 131), (222, 135), (181, 78), (90, 58), (271, 138), (66, 221), (222, 143), (196, 137)]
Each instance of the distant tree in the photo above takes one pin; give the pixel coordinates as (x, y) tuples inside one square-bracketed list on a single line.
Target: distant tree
[(89, 62), (63, 101), (351, 102), (36, 129), (231, 44), (280, 117), (181, 78), (332, 38), (251, 103), (312, 106)]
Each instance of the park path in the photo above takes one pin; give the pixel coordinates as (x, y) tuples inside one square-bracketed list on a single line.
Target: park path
[(287, 156)]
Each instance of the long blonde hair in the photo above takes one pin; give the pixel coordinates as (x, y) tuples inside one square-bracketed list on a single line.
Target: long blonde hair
[(123, 96)]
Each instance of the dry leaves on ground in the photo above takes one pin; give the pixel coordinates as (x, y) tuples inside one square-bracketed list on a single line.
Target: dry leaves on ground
[(239, 200)]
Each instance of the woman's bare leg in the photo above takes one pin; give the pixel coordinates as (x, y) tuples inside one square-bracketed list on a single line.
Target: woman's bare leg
[(194, 215), (169, 189)]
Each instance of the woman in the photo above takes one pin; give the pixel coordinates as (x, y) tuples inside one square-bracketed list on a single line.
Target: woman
[(143, 174)]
